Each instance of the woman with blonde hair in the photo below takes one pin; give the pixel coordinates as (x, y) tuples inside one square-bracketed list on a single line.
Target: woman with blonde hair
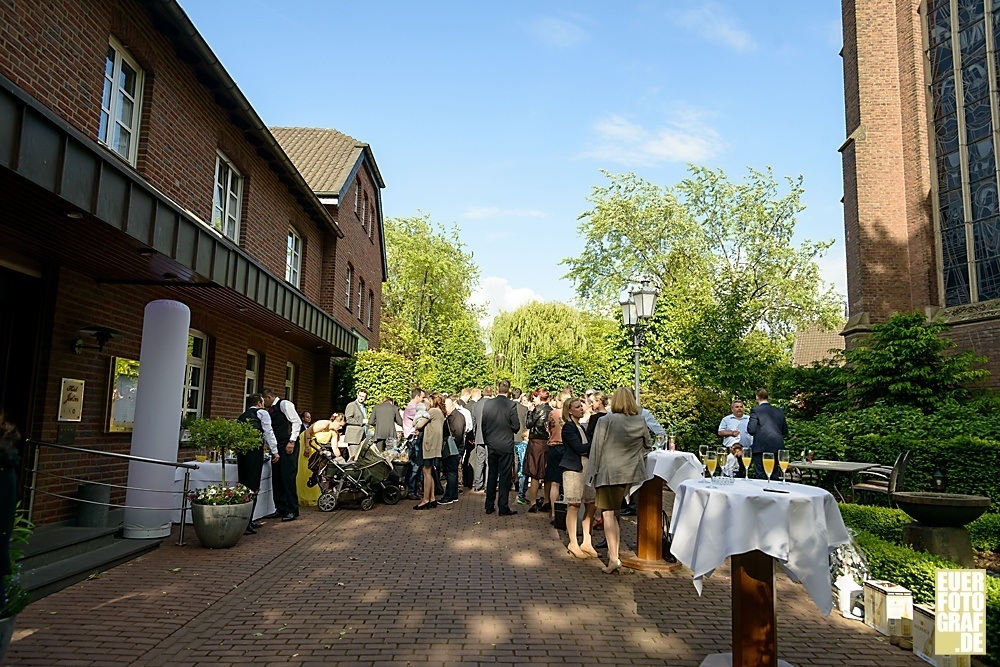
[(574, 461), (434, 430), (617, 461)]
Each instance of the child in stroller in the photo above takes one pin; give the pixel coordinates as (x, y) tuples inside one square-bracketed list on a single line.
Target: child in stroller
[(360, 481)]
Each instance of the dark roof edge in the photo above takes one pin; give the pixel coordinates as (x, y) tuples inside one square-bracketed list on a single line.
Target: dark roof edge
[(186, 32)]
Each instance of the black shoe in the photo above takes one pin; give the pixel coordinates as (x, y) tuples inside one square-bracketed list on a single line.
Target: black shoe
[(546, 507), (628, 512), (490, 510), (250, 530), (289, 517), (508, 512), (603, 544), (256, 524), (533, 509), (273, 515)]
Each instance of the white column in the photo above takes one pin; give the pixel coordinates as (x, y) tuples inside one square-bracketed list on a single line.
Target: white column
[(162, 360)]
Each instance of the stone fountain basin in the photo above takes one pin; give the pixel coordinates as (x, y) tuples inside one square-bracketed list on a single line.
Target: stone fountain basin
[(944, 510)]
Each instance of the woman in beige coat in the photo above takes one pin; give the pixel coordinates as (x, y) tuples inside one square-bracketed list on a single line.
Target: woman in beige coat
[(430, 449), (617, 461)]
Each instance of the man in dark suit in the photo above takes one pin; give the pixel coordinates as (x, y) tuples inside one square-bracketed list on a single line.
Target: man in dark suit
[(769, 429), (383, 421), (499, 424)]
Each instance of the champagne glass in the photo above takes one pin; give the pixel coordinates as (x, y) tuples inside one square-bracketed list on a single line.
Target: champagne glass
[(768, 466), (783, 464), (721, 455), (702, 455), (747, 457), (711, 460)]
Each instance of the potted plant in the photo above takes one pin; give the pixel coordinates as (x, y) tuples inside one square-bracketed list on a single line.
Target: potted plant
[(224, 435), (15, 597), (220, 514)]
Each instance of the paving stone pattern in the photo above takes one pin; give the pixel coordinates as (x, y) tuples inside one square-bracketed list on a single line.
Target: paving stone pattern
[(396, 587)]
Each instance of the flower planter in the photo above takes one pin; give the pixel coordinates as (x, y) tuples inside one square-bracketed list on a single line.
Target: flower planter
[(220, 526), (6, 632)]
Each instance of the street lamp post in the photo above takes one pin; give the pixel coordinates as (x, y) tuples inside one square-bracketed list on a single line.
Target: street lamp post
[(637, 309)]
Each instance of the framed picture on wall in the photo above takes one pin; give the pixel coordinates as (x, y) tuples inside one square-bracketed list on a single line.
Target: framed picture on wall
[(71, 400), (123, 384)]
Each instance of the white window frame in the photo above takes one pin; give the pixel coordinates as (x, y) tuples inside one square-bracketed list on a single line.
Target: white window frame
[(350, 285), (290, 373), (361, 299), (293, 258), (112, 95), (364, 211), (252, 385), (357, 197), (199, 364), (371, 300), (223, 211), (371, 220)]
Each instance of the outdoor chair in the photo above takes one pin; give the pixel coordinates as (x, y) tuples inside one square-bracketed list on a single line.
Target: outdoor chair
[(883, 480)]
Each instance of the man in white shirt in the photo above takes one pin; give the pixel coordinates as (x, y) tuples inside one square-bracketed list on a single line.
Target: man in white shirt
[(286, 424), (733, 428)]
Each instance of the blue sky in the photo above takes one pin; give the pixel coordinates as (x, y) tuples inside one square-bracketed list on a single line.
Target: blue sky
[(499, 116)]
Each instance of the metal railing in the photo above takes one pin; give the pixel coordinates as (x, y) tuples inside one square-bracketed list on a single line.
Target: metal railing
[(187, 467)]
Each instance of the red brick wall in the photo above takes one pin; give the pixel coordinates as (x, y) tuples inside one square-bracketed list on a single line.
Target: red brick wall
[(81, 302), (364, 254), (56, 51)]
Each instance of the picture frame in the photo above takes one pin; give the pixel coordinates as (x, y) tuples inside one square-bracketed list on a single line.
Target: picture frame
[(123, 385), (71, 400)]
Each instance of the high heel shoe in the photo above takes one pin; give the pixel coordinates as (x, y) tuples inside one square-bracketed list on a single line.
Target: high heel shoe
[(578, 554), (591, 552), (610, 569)]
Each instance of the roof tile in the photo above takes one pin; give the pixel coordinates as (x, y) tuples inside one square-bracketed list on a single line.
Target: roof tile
[(324, 156)]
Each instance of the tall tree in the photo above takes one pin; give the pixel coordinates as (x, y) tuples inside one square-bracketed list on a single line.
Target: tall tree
[(533, 330), (733, 284)]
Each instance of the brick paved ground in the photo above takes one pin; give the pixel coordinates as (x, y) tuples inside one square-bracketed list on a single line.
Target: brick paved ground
[(393, 586)]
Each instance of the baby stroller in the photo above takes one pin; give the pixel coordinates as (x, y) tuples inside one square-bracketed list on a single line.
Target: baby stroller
[(357, 482)]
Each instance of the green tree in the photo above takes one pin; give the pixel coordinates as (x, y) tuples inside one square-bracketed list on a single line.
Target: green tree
[(382, 373), (556, 369), (462, 360), (431, 276), (733, 285), (906, 362)]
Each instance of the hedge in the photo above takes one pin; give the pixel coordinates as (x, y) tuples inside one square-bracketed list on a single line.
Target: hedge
[(887, 524), (916, 571)]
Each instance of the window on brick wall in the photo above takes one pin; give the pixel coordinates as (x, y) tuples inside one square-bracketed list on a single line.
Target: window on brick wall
[(194, 374), (371, 300), (357, 197), (371, 220), (227, 197), (293, 258), (361, 299), (963, 105), (253, 374), (120, 102), (364, 212), (350, 284), (290, 377)]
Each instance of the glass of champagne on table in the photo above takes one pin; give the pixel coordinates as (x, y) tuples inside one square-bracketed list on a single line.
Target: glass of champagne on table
[(702, 456), (747, 457), (768, 466), (721, 454), (783, 464), (711, 459)]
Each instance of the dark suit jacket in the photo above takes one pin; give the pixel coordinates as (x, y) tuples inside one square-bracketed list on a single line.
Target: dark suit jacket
[(500, 423), (768, 427), (574, 448), (476, 408), (384, 418)]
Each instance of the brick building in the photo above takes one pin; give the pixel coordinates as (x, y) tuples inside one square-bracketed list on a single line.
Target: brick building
[(132, 168), (921, 205)]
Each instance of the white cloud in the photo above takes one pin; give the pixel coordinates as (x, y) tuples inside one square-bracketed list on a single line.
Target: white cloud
[(557, 33), (713, 22), (684, 138), (497, 295), (484, 212)]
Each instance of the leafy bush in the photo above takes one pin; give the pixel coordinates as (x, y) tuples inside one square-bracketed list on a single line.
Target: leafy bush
[(887, 524), (985, 532), (810, 390), (916, 571), (382, 374), (225, 435), (689, 411), (16, 597), (556, 369)]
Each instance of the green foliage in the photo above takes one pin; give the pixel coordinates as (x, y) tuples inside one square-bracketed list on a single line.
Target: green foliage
[(431, 276), (905, 362), (808, 391), (224, 435), (533, 331), (887, 524), (985, 532), (220, 494), (916, 571), (16, 597), (461, 359), (556, 369), (689, 411), (382, 374), (733, 286)]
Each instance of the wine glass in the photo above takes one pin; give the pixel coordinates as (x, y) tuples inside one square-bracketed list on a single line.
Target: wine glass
[(768, 466), (747, 457), (702, 455), (721, 455), (783, 463), (711, 460)]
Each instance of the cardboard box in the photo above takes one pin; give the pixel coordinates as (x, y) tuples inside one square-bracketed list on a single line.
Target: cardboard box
[(923, 640), (888, 608)]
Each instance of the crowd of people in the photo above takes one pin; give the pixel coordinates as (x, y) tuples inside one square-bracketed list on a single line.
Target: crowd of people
[(588, 450)]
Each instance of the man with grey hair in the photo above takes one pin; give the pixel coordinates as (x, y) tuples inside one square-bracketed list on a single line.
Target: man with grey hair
[(733, 427)]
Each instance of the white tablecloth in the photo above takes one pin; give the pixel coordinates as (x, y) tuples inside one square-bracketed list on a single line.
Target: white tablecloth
[(208, 474), (798, 529), (672, 467)]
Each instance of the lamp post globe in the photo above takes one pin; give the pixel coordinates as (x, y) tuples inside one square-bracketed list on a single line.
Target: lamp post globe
[(638, 304)]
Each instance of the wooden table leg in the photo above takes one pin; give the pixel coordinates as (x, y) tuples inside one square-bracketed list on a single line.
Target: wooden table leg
[(650, 529), (755, 642)]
